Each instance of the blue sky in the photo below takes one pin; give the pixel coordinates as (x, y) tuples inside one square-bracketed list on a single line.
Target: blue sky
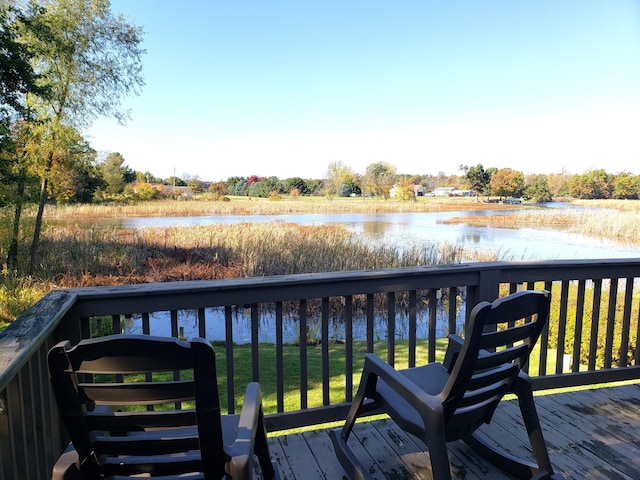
[(286, 87)]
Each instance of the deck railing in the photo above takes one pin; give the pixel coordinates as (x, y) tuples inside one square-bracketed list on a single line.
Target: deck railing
[(592, 335)]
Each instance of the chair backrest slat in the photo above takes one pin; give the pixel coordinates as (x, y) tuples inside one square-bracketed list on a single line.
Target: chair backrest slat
[(139, 393), (510, 335), (491, 358), (101, 419)]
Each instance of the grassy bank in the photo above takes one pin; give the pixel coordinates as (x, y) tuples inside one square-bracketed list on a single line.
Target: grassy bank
[(263, 206)]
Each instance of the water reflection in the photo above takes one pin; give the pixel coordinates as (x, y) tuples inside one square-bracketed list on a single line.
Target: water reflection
[(188, 327), (419, 227)]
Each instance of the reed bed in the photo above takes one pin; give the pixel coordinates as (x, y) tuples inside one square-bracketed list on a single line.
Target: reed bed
[(622, 205), (263, 206), (73, 256), (622, 225)]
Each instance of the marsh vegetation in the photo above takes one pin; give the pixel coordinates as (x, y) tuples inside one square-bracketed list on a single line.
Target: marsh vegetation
[(74, 254)]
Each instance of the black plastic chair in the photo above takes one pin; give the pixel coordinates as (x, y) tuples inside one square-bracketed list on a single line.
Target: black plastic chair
[(439, 403), (122, 400)]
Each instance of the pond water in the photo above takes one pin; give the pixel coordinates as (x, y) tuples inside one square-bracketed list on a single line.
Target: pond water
[(407, 228), (396, 228)]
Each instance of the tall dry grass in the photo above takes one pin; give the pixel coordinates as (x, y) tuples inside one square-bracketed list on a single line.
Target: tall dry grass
[(622, 225), (72, 256), (622, 205)]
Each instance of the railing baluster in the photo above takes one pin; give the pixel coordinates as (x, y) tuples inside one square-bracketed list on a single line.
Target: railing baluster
[(302, 314), (174, 323), (255, 343), (228, 346), (577, 340), (433, 316), (562, 326), (148, 376), (391, 328), (453, 311), (413, 334), (611, 322), (20, 406), (595, 323), (325, 351), (279, 359), (626, 322), (370, 322), (348, 333), (145, 323), (544, 339), (202, 323)]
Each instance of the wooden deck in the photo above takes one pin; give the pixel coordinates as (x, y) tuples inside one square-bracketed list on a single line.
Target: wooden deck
[(591, 434)]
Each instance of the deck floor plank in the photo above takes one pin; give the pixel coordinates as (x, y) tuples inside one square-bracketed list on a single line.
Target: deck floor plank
[(591, 434), (564, 441), (385, 458), (609, 436), (298, 459), (322, 447)]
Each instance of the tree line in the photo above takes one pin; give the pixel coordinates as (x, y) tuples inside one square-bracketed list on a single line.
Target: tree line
[(379, 180)]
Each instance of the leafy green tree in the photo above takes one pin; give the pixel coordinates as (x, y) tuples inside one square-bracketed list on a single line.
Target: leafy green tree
[(558, 184), (195, 184), (538, 189), (404, 188), (295, 182), (174, 181), (626, 186), (237, 186), (90, 60), (18, 80), (18, 181), (74, 176), (507, 182), (218, 189), (477, 178), (595, 184), (314, 186), (115, 173), (380, 178), (337, 176)]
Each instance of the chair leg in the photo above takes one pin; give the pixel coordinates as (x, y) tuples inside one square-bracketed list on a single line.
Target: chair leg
[(261, 449), (532, 424), (438, 451), (349, 462), (339, 437), (366, 388)]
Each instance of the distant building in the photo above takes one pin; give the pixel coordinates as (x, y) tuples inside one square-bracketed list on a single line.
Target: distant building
[(452, 192), (444, 191), (177, 191)]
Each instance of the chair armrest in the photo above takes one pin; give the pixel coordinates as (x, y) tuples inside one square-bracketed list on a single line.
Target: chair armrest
[(242, 448), (374, 365), (453, 349), (66, 467)]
